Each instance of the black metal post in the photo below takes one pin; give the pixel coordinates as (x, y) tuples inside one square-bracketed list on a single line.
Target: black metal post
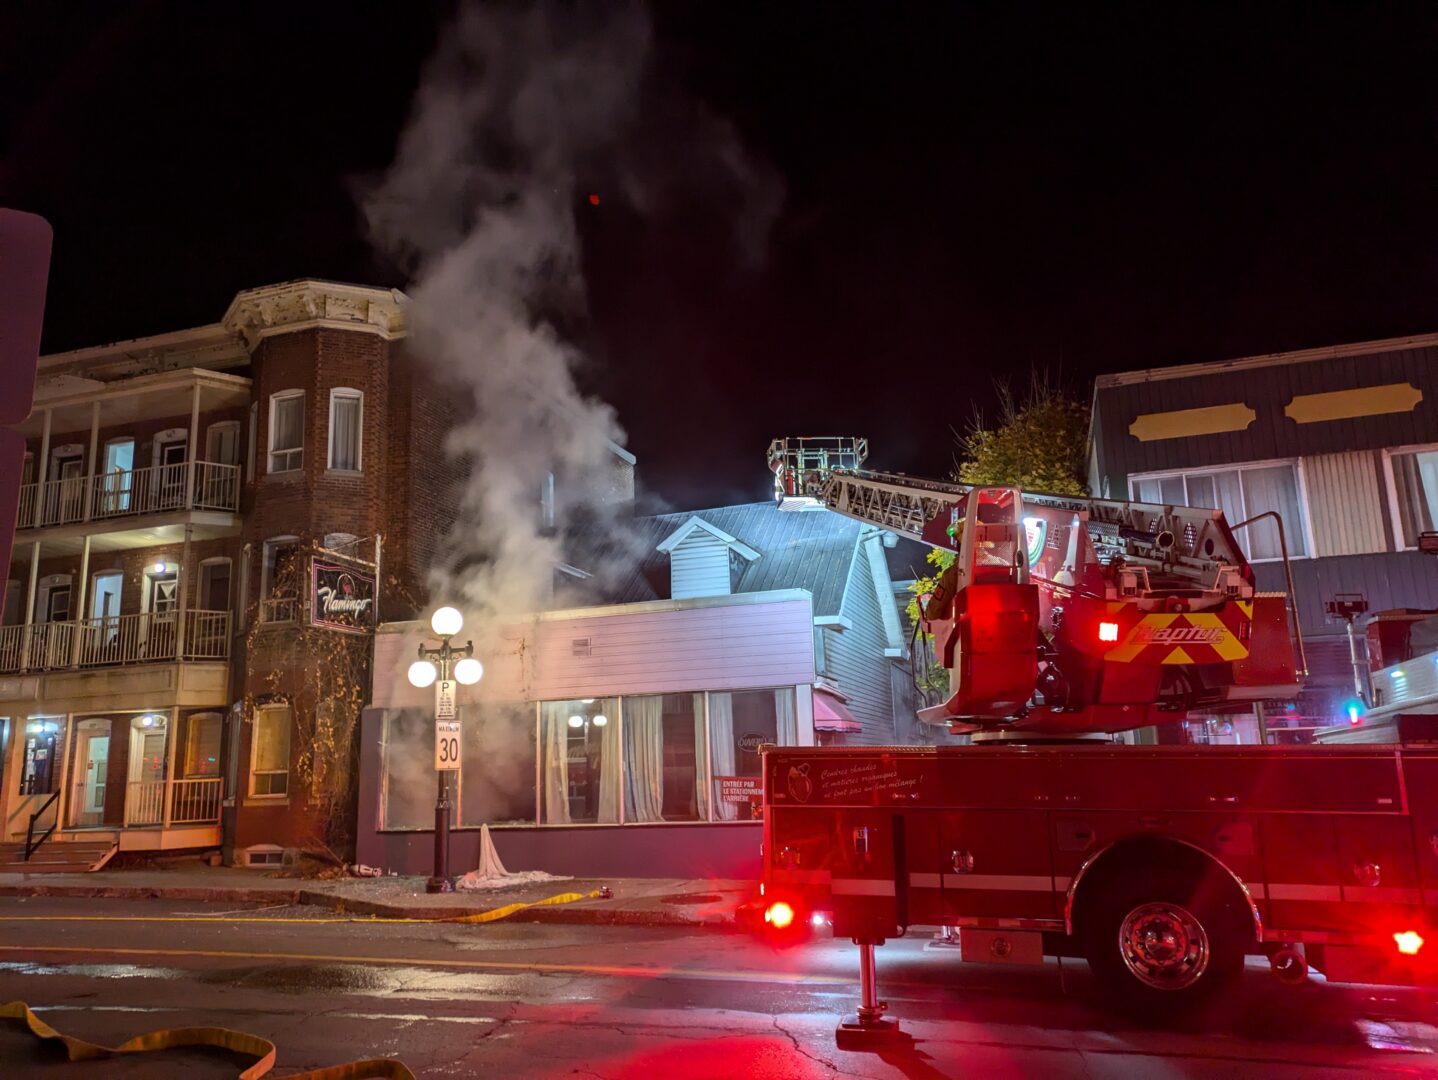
[(439, 881)]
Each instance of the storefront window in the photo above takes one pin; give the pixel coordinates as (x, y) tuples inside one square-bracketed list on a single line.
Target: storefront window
[(496, 778), (664, 758), (409, 784), (581, 761), (739, 723)]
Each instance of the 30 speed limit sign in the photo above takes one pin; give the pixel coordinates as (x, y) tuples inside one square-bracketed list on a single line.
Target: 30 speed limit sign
[(446, 746)]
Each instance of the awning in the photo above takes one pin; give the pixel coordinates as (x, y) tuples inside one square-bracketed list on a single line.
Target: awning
[(831, 715)]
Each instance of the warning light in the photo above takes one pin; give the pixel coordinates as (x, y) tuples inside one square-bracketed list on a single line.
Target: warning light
[(1108, 631), (1355, 712), (779, 915), (1408, 942), (593, 199)]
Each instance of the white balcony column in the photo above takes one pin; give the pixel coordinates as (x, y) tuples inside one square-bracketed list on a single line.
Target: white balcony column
[(94, 447), (183, 585), (30, 594), (83, 592), (42, 471), (171, 739), (193, 447)]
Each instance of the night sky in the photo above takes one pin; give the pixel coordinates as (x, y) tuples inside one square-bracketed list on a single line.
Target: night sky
[(970, 192)]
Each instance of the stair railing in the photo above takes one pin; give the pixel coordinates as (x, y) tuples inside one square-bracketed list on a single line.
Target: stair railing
[(31, 844)]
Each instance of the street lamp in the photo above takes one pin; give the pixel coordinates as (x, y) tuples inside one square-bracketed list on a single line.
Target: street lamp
[(446, 622)]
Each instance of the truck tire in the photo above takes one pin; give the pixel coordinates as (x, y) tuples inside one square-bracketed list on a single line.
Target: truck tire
[(1164, 939)]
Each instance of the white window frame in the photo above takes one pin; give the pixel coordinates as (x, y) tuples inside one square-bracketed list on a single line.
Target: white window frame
[(294, 456), (1305, 521), (1390, 481), (277, 796), (345, 393)]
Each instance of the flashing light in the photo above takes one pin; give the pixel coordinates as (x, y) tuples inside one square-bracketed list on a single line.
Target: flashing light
[(1408, 942), (422, 673), (818, 920), (779, 915), (1108, 631), (1354, 709), (1400, 674)]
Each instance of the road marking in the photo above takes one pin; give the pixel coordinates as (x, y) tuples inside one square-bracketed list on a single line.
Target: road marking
[(466, 965)]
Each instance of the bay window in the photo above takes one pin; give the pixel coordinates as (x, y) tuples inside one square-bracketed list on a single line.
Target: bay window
[(287, 431), (1414, 476), (1241, 492)]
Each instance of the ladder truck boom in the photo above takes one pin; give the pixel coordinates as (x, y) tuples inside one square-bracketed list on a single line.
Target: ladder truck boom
[(1066, 614)]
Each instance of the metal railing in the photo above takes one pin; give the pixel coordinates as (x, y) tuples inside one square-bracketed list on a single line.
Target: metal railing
[(279, 609), (145, 802), (31, 844), (114, 639), (127, 492), (195, 800)]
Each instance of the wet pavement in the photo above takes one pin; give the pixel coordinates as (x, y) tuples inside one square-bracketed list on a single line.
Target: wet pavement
[(530, 1000)]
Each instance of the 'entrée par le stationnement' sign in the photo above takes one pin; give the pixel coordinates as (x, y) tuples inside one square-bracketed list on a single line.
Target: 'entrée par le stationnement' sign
[(341, 598)]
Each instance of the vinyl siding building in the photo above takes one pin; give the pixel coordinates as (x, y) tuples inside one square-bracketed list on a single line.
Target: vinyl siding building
[(1341, 442)]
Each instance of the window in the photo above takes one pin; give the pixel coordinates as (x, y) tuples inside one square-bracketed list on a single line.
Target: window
[(580, 753), (202, 746), (1241, 492), (495, 785), (250, 445), (270, 752), (664, 758), (215, 585), (222, 443), (1413, 475), (739, 723), (280, 580), (346, 417), (287, 431), (821, 651)]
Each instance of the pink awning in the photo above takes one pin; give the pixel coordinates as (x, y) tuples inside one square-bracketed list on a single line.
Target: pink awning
[(831, 715)]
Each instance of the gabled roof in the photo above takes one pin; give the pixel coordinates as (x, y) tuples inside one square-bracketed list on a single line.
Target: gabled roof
[(812, 550), (698, 524)]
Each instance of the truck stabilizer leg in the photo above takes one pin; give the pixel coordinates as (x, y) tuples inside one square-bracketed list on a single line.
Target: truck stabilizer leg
[(869, 1028)]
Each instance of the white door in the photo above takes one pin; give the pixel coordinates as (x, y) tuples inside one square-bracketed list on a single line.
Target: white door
[(118, 476), (162, 602), (170, 476), (67, 502)]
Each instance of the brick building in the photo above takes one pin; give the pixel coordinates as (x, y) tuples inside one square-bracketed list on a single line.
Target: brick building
[(211, 521)]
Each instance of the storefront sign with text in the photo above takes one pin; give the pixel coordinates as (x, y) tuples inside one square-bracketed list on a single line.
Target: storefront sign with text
[(341, 598)]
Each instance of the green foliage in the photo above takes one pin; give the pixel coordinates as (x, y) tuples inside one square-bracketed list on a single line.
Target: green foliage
[(1039, 443)]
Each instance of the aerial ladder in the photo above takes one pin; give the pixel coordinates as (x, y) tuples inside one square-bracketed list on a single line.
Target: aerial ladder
[(1067, 615)]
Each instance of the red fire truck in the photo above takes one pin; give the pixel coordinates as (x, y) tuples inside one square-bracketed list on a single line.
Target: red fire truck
[(1062, 621)]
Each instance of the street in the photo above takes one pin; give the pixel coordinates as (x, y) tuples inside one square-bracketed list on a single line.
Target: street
[(524, 1000)]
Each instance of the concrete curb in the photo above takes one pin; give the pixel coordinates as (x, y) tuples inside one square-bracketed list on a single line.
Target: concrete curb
[(558, 914)]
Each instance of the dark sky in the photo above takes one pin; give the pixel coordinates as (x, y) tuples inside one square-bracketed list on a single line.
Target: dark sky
[(971, 192)]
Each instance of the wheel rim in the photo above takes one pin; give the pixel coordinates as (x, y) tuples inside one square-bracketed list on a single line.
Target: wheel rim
[(1164, 946)]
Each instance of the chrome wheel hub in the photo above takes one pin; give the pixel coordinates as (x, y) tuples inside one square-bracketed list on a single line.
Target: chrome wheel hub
[(1164, 946)]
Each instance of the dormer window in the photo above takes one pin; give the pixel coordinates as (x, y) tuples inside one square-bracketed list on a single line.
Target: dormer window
[(704, 560)]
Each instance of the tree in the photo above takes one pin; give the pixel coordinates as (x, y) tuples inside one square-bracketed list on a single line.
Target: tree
[(1038, 444)]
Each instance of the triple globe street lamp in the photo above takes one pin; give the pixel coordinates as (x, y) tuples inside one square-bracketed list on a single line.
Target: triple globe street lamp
[(437, 664)]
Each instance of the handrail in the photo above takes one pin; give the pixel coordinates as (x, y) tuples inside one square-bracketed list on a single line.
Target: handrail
[(1288, 575), (31, 844)]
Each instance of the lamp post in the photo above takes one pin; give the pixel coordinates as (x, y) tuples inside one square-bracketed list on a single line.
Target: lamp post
[(446, 622)]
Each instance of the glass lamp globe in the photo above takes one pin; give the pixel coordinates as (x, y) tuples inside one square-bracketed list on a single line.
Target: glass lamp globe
[(576, 721), (446, 622), (422, 673), (469, 671), (600, 720)]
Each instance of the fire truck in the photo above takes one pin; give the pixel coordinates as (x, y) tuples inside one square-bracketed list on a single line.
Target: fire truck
[(1063, 621)]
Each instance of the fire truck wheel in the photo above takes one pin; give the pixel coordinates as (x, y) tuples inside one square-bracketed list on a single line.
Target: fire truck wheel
[(1162, 939)]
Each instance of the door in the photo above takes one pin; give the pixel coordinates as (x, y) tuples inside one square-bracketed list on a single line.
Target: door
[(162, 601), (103, 633), (170, 475), (218, 478), (145, 795), (118, 477), (67, 497), (92, 768)]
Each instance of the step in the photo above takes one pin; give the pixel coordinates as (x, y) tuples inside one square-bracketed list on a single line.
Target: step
[(57, 858)]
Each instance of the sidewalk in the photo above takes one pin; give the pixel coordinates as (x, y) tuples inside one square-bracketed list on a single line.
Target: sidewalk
[(635, 901)]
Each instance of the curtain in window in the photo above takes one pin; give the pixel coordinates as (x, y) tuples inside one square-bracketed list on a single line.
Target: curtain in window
[(701, 789), (609, 766), (289, 416), (786, 720), (555, 721), (721, 736), (1416, 478), (344, 432), (202, 747), (643, 758), (1274, 488), (272, 741)]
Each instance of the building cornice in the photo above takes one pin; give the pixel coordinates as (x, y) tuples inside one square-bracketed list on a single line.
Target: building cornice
[(309, 304)]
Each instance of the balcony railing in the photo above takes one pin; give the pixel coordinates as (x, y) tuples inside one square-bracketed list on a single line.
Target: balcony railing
[(195, 801), (114, 640), (145, 802), (279, 609), (129, 492)]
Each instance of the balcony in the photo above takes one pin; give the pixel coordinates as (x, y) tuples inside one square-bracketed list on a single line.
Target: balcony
[(113, 641), (155, 490), (190, 802)]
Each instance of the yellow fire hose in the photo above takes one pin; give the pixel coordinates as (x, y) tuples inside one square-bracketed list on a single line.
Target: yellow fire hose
[(262, 1050)]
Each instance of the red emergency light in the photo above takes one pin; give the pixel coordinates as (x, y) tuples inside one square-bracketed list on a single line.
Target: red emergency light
[(779, 915), (1408, 942), (1108, 631)]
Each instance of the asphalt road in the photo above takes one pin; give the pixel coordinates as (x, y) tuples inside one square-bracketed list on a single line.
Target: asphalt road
[(560, 1001)]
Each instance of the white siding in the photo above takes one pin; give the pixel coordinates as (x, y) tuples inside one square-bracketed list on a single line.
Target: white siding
[(699, 566), (857, 662), (754, 640), (1344, 503)]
